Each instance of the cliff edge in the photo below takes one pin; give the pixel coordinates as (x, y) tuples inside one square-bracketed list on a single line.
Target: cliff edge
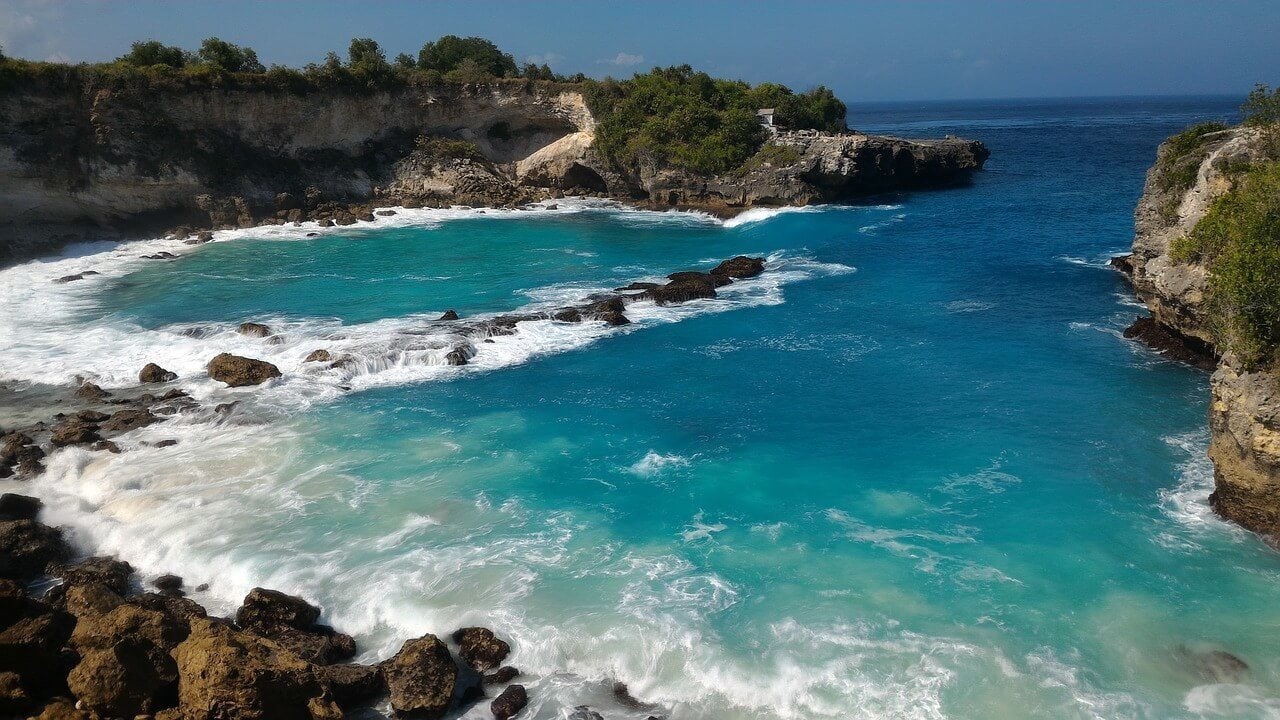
[(83, 161), (1195, 172)]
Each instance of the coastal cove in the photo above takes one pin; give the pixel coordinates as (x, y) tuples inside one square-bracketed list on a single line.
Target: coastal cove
[(912, 470)]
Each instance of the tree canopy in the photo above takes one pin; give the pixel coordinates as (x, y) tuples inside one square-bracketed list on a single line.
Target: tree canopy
[(451, 52)]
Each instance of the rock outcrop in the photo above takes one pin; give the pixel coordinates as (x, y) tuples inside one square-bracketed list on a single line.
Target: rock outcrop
[(80, 159), (239, 371), (1244, 415)]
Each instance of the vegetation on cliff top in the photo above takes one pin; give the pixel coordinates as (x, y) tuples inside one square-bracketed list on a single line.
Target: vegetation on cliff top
[(1238, 240), (673, 117)]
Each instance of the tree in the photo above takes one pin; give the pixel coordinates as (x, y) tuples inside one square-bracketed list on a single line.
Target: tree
[(405, 61), (449, 52), (1262, 106), (154, 52), (469, 71), (227, 57), (365, 56)]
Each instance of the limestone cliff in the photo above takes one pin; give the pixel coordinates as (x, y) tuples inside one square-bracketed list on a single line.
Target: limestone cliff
[(78, 160), (1244, 416)]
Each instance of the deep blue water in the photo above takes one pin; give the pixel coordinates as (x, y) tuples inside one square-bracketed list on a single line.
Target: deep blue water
[(913, 472)]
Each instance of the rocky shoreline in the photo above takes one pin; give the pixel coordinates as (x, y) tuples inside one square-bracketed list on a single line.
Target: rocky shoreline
[(91, 162), (96, 645), (1244, 412)]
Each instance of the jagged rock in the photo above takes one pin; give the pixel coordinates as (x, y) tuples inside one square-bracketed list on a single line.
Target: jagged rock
[(480, 648), (319, 356), (91, 600), (421, 678), (623, 695), (17, 451), (153, 373), (690, 286), (449, 315), (91, 416), (106, 445), (130, 419), (14, 698), (583, 712), (385, 213), (238, 371), (610, 311), (1167, 342), (264, 607), (459, 355), (70, 278), (31, 648), (168, 583), (291, 622), (287, 201), (63, 709), (28, 547), (695, 276), (509, 703), (89, 391), (74, 431), (113, 574), (253, 329), (126, 667), (171, 605), (570, 315), (740, 267), (501, 676), (353, 685), (224, 674), (19, 507)]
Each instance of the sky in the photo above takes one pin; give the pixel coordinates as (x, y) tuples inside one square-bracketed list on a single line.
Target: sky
[(865, 51)]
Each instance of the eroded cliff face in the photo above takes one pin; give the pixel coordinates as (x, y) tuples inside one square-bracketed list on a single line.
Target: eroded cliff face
[(83, 162), (1244, 415)]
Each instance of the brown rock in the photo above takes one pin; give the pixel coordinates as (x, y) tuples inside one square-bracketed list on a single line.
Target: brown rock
[(224, 674), (570, 315), (319, 356), (153, 373), (62, 709), (28, 547), (31, 648), (130, 419), (14, 698), (1171, 344), (449, 315), (270, 607), (109, 572), (106, 445), (353, 685), (238, 371), (501, 676), (686, 287), (126, 667), (171, 605), (168, 583), (89, 391), (509, 703), (740, 267), (74, 431), (610, 311), (480, 648), (19, 507), (253, 329), (421, 678)]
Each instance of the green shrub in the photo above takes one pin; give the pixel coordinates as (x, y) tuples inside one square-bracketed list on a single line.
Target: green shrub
[(450, 52), (154, 52), (1239, 241), (772, 155), (223, 56)]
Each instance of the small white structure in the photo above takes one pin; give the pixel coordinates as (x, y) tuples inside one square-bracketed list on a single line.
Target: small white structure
[(765, 116)]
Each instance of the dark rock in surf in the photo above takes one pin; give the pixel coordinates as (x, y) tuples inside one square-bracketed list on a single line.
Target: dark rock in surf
[(608, 310), (238, 371), (740, 267), (449, 315), (168, 583), (421, 678), (692, 286), (318, 356), (27, 548), (694, 276), (263, 607), (113, 574), (480, 648), (460, 355), (89, 391), (130, 419), (291, 622), (353, 685), (74, 431), (153, 373), (19, 507), (501, 676), (570, 315), (509, 703), (1171, 344), (253, 329)]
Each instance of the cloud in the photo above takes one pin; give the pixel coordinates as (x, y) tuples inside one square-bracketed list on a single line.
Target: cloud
[(624, 59), (548, 58)]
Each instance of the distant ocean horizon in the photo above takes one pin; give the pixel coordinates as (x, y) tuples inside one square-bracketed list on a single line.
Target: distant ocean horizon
[(911, 471)]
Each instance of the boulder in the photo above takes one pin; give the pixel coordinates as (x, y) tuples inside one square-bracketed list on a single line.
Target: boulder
[(353, 685), (153, 373), (690, 286), (107, 446), (173, 606), (253, 329), (449, 315), (583, 712), (224, 674), (126, 667), (109, 572), (608, 310), (91, 416), (699, 277), (421, 678), (89, 391), (509, 703), (62, 709), (168, 583), (74, 431), (31, 648), (262, 607), (19, 507), (480, 648), (739, 267), (90, 600), (319, 356), (15, 700), (570, 315), (28, 547), (501, 676), (459, 355), (130, 419), (238, 371)]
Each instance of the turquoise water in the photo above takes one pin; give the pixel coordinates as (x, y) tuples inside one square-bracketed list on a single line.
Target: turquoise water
[(911, 472)]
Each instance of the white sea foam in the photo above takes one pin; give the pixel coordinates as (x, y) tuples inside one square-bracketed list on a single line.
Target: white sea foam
[(654, 463)]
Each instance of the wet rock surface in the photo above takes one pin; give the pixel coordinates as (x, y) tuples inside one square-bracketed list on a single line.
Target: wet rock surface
[(153, 373), (239, 371), (421, 678)]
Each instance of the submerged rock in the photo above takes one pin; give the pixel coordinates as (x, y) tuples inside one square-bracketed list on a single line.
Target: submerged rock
[(421, 678), (153, 373), (449, 315), (318, 356), (501, 676), (238, 371), (130, 419), (253, 329), (740, 267), (686, 287), (89, 391)]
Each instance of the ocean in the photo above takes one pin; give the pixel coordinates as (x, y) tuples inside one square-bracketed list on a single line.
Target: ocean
[(911, 471)]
